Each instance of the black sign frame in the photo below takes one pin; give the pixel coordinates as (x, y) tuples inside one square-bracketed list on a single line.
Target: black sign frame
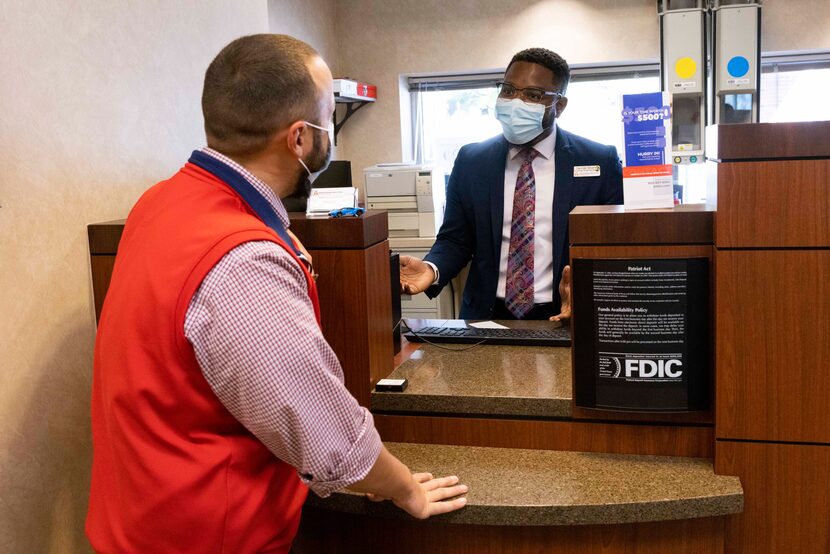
[(634, 317)]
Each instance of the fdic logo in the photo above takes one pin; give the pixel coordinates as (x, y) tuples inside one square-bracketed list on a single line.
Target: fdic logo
[(645, 369)]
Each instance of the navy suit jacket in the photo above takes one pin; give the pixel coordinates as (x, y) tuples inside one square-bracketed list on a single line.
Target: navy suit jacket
[(473, 215)]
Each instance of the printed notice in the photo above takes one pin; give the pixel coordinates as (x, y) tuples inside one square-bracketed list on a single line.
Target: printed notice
[(645, 349), (647, 175)]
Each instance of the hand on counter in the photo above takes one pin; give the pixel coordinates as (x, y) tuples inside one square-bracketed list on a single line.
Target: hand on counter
[(416, 276), (418, 494), (430, 496), (565, 295)]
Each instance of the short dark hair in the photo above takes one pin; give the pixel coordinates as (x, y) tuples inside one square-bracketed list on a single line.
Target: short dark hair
[(256, 85), (549, 59)]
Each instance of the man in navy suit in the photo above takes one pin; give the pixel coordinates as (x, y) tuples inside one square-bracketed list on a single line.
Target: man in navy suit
[(508, 200)]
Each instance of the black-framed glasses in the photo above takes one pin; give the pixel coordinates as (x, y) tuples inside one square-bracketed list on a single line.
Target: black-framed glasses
[(530, 94)]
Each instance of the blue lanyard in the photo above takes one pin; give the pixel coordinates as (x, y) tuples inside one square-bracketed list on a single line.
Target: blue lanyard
[(249, 194)]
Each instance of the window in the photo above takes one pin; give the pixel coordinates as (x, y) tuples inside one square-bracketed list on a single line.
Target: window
[(793, 87), (450, 111), (449, 119), (595, 105)]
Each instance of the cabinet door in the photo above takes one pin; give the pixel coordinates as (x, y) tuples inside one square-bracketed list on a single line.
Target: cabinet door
[(772, 347), (786, 496)]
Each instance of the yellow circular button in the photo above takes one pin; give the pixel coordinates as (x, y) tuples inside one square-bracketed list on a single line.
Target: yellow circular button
[(685, 67)]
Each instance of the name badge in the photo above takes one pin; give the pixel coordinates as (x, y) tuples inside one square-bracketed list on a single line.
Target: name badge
[(586, 171)]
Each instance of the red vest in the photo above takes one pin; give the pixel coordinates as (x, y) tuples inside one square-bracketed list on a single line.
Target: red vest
[(173, 470)]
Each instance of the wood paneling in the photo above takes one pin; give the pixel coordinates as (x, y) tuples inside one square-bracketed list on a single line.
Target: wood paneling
[(344, 232), (378, 313), (356, 308), (773, 204), (102, 267), (772, 352), (598, 225), (576, 436), (693, 417), (104, 237), (786, 497), (772, 328), (322, 531), (642, 251), (758, 141)]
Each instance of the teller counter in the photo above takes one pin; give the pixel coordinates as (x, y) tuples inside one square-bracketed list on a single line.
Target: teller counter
[(500, 417), (548, 477)]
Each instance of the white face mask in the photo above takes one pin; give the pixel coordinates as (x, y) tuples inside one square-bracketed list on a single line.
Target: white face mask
[(312, 175), (520, 121)]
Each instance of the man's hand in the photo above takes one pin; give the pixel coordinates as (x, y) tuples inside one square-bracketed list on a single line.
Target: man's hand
[(416, 276), (419, 494), (428, 496), (565, 295)]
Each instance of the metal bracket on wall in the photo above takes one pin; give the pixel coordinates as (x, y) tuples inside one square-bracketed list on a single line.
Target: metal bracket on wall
[(351, 107)]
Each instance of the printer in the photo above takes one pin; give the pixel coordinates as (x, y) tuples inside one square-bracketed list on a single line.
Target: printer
[(412, 195)]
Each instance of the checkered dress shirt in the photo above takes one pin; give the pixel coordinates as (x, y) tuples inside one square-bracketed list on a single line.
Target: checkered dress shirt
[(252, 326)]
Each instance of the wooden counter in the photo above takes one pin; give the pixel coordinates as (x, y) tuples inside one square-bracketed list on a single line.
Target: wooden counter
[(517, 397), (510, 487), (549, 483)]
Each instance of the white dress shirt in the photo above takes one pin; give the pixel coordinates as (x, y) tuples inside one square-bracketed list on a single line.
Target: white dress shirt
[(544, 171)]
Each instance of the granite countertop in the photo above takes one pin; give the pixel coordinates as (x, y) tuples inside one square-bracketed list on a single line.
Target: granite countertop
[(493, 380), (543, 487)]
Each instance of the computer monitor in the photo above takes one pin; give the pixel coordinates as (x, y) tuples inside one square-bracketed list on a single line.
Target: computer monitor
[(338, 174)]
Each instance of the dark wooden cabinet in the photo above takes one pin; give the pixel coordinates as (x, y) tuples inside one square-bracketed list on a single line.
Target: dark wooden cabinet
[(773, 325), (772, 252), (772, 258), (786, 497), (351, 256), (360, 535), (611, 232)]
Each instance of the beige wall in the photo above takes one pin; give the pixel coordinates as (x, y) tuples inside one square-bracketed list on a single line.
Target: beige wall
[(379, 40), (795, 25), (98, 101), (382, 39), (310, 20)]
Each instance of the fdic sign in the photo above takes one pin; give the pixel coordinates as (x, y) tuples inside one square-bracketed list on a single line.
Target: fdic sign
[(641, 334), (647, 369)]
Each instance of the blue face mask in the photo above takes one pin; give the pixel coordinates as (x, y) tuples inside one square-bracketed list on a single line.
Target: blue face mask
[(520, 121)]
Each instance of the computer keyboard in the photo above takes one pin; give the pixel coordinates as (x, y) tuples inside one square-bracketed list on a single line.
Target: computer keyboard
[(560, 336)]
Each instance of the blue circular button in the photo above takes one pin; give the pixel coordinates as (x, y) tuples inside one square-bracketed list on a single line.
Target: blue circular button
[(693, 159), (738, 66)]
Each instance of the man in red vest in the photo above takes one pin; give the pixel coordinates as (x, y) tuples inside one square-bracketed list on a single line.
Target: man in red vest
[(216, 400)]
